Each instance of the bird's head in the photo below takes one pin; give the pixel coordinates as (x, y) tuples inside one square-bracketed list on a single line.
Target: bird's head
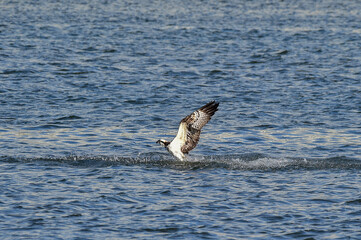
[(163, 142)]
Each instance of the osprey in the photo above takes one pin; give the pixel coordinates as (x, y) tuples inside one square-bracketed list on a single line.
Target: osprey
[(189, 131)]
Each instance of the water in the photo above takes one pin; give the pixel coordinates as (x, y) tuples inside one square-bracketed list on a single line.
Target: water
[(87, 88)]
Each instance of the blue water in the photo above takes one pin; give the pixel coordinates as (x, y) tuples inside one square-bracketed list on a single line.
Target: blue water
[(87, 89)]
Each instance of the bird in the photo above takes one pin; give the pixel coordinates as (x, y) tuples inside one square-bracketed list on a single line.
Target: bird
[(189, 131)]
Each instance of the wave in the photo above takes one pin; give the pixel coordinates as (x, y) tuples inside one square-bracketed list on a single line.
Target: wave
[(252, 161)]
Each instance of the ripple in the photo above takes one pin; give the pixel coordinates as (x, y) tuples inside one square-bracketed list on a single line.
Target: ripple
[(88, 87), (71, 117), (354, 202)]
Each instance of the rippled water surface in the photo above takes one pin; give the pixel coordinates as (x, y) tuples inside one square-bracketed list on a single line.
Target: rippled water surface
[(87, 88)]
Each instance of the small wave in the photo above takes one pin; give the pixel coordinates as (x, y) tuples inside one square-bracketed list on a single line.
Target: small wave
[(247, 162)]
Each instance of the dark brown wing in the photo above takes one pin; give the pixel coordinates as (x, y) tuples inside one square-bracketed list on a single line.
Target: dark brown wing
[(193, 123)]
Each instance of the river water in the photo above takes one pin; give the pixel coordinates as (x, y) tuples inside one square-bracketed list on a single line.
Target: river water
[(87, 88)]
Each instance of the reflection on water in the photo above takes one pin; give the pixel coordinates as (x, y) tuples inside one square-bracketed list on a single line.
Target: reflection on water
[(117, 141)]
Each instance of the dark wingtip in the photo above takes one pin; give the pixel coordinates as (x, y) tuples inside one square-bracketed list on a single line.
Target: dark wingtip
[(211, 104), (216, 104), (210, 107)]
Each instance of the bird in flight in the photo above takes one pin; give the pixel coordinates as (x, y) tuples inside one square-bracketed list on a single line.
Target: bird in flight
[(189, 131)]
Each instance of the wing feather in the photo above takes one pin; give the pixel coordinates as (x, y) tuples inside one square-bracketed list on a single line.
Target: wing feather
[(190, 126)]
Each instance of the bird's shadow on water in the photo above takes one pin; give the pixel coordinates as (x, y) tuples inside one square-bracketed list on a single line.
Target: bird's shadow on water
[(245, 162)]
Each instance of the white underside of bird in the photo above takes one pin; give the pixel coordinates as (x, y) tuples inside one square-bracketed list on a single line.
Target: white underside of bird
[(175, 148)]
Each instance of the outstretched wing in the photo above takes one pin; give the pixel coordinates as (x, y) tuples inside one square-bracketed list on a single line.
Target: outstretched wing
[(190, 126)]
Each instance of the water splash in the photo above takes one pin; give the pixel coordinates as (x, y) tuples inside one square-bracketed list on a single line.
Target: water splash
[(246, 162)]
